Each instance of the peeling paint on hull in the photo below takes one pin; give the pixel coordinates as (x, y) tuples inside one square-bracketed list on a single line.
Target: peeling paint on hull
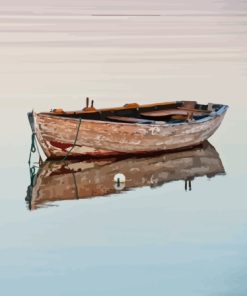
[(56, 135)]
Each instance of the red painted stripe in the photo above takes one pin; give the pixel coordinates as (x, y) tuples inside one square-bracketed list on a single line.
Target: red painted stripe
[(60, 145)]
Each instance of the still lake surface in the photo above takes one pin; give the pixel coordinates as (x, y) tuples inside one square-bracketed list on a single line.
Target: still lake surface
[(151, 240)]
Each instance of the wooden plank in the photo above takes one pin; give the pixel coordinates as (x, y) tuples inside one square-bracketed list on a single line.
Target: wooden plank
[(172, 112), (161, 113), (189, 104), (195, 110), (129, 119)]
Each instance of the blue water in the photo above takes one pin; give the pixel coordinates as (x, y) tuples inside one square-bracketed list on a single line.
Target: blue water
[(147, 241)]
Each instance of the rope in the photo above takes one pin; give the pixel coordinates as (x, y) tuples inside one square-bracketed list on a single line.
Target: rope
[(32, 174), (76, 137), (34, 148), (76, 188)]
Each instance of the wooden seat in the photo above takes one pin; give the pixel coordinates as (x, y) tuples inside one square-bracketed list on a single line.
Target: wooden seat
[(195, 110), (163, 113), (184, 112), (130, 119)]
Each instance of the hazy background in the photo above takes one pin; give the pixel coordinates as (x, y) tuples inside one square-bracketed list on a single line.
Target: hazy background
[(147, 242)]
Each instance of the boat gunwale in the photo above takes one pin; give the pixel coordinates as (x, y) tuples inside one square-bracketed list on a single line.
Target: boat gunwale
[(209, 117)]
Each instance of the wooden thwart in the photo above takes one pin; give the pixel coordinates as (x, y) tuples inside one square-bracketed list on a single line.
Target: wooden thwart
[(129, 119), (196, 111), (174, 112), (161, 113)]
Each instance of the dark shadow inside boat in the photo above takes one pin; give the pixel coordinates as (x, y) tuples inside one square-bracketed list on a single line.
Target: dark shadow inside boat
[(78, 179), (173, 112)]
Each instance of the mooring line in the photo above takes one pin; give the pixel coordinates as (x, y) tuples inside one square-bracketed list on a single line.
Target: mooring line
[(76, 137)]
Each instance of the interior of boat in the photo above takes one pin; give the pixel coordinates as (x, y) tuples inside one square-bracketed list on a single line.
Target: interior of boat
[(171, 112)]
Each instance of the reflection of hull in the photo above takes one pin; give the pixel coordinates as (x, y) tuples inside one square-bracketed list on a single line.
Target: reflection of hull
[(57, 180)]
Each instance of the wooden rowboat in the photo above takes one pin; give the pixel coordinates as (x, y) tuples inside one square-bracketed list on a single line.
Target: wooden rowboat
[(130, 129), (77, 179)]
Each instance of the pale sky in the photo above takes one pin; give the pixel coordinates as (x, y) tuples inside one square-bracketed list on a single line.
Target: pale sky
[(121, 6)]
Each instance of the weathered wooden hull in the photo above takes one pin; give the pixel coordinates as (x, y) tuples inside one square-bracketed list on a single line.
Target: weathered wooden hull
[(57, 135), (67, 180)]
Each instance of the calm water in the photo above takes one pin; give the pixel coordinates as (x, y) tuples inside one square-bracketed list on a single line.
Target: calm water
[(157, 238)]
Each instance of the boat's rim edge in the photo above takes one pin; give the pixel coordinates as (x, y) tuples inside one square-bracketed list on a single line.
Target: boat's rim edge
[(211, 116)]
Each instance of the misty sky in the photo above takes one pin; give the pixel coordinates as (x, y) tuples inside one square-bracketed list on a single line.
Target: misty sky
[(122, 6)]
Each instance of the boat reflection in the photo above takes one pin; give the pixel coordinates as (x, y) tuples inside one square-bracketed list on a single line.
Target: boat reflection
[(77, 179)]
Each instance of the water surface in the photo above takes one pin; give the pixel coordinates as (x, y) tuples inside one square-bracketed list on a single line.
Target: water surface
[(151, 240)]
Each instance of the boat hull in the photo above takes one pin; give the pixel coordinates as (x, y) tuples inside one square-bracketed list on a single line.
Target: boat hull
[(70, 137)]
